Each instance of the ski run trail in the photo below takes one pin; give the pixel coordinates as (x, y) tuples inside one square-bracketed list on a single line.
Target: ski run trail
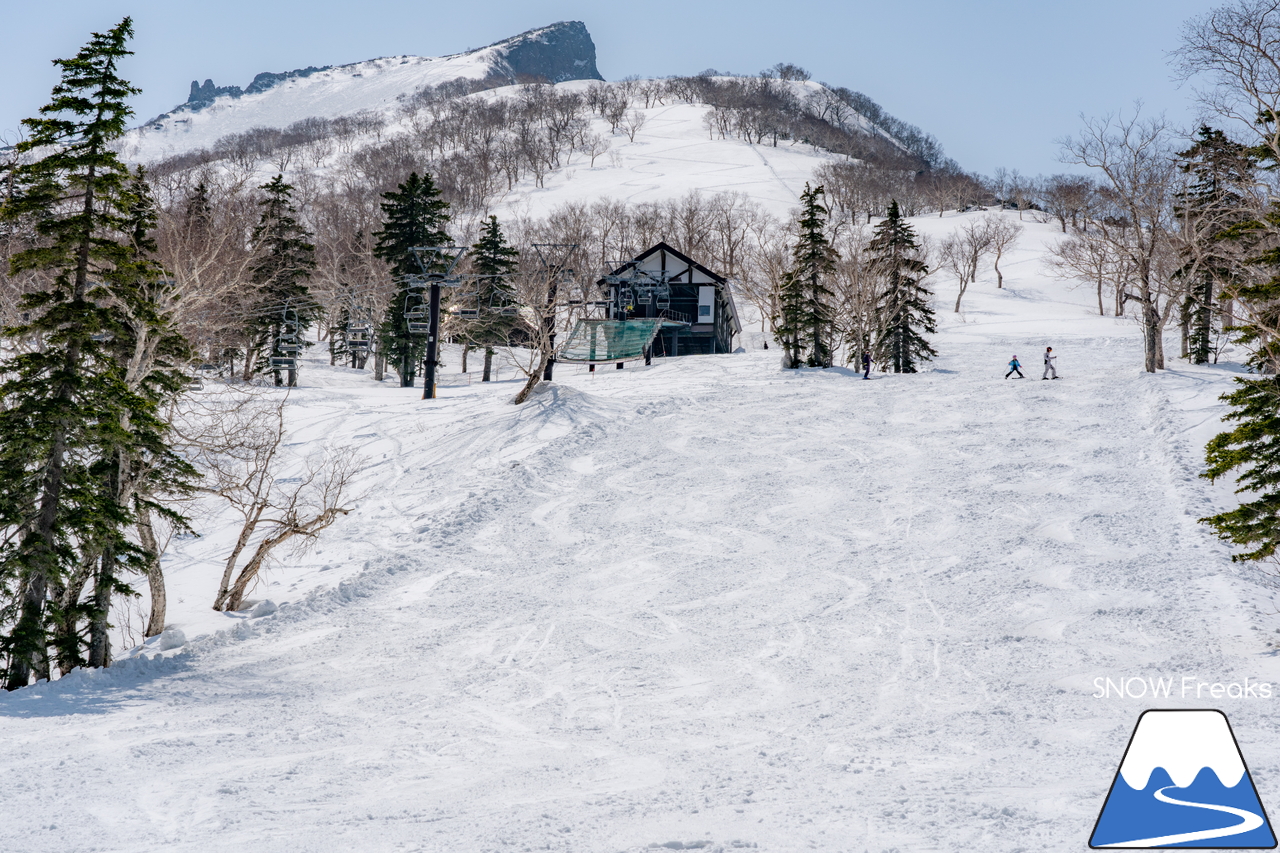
[(708, 604)]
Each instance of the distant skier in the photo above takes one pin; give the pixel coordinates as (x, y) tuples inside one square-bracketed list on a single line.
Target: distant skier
[(1015, 366), (866, 365), (1049, 359)]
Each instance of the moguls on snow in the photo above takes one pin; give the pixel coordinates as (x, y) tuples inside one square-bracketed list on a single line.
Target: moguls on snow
[(1183, 783)]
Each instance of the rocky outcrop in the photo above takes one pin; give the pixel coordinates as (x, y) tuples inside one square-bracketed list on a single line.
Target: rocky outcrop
[(202, 96), (557, 53)]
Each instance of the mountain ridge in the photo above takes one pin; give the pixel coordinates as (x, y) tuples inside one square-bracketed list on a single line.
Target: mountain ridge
[(555, 53)]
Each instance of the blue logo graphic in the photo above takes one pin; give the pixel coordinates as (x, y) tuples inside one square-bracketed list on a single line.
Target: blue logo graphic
[(1183, 783)]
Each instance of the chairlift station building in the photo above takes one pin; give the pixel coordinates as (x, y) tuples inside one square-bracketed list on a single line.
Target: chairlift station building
[(662, 301)]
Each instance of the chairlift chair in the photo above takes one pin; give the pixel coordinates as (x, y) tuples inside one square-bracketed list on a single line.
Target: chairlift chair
[(283, 363), (416, 319), (468, 313)]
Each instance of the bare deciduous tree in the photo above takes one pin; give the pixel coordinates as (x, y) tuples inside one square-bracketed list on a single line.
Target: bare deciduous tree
[(1003, 234), (1136, 159), (1233, 48), (1086, 257), (1067, 198), (236, 440), (963, 251), (593, 145), (634, 122), (535, 292)]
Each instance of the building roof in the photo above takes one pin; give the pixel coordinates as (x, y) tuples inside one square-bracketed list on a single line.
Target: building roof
[(678, 255)]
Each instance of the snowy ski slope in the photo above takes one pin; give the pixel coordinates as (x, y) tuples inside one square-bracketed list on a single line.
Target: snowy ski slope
[(672, 155), (708, 604)]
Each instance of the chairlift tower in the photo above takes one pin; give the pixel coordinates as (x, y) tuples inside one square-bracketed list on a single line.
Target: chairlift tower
[(430, 259)]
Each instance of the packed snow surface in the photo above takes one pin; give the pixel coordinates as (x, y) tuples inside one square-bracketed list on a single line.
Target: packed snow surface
[(707, 604), (672, 155)]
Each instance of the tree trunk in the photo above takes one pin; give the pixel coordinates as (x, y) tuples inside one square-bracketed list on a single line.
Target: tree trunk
[(235, 595), (155, 575), (1101, 311), (379, 367), (999, 275), (252, 568), (103, 584), (1159, 348), (488, 364), (1185, 328), (466, 348), (1150, 334), (224, 588), (29, 647), (65, 622), (534, 378), (249, 352)]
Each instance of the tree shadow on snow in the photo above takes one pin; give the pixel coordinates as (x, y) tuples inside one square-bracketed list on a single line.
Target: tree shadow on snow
[(93, 691)]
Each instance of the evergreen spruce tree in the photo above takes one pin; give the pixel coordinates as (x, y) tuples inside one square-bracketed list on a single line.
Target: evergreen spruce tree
[(815, 260), (1250, 446), (1214, 207), (789, 318), (803, 320), (198, 211), (66, 409), (140, 468), (283, 262), (415, 216), (902, 310), (495, 299)]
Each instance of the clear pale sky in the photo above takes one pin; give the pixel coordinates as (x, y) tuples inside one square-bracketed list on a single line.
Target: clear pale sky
[(996, 81)]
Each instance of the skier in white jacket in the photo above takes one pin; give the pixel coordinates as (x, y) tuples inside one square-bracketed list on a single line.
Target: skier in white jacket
[(1049, 358)]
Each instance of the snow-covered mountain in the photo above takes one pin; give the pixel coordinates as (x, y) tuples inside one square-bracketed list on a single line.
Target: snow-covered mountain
[(556, 53)]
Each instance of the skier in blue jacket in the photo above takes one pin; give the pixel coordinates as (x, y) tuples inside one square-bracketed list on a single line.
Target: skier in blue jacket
[(1015, 367)]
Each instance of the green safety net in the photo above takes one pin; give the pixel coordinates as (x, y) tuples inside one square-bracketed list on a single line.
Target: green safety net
[(597, 341)]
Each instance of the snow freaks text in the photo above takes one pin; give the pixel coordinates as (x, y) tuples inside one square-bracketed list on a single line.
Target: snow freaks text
[(1184, 687)]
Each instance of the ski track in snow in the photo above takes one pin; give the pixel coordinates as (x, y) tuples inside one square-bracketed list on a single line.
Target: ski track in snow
[(708, 600)]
